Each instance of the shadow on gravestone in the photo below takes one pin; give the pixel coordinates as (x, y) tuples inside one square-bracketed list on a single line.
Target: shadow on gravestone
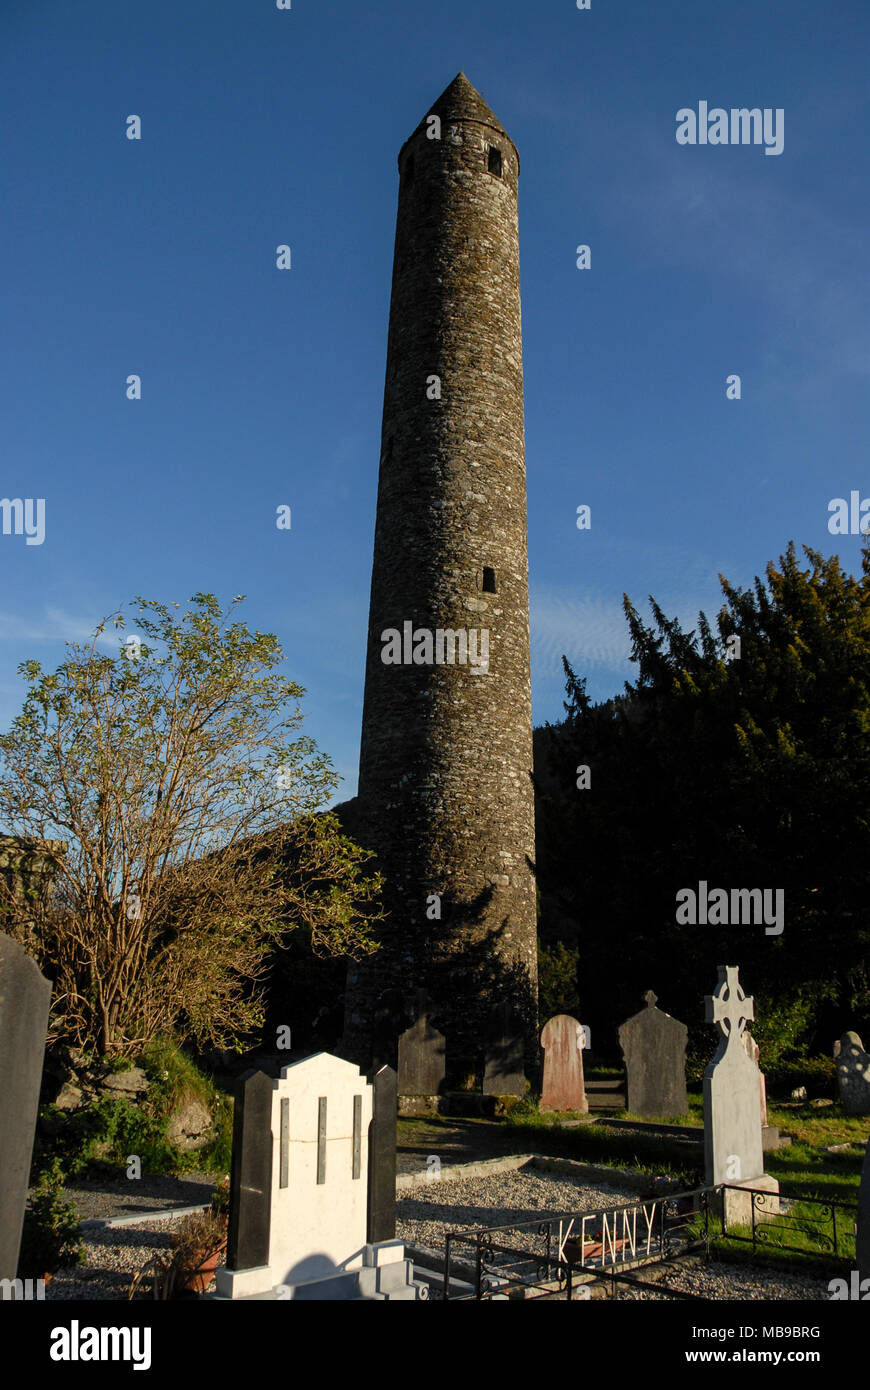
[(654, 1049), (251, 1174), (25, 996), (503, 1071), (422, 1059), (311, 1233)]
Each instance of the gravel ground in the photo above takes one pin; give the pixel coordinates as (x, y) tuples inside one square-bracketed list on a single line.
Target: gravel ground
[(423, 1218), (106, 1198), (114, 1256), (724, 1281)]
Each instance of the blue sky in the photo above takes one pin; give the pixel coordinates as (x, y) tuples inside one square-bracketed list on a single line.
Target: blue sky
[(263, 388)]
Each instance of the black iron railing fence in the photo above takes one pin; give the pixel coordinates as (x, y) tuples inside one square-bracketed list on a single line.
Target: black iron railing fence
[(553, 1255), (827, 1226)]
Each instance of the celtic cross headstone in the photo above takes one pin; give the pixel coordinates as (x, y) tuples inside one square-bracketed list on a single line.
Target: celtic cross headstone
[(733, 1148), (732, 1094)]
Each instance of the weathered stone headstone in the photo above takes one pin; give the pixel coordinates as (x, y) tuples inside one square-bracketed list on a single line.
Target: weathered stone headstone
[(503, 1071), (563, 1087), (654, 1049), (733, 1147), (863, 1240), (25, 995), (316, 1128), (422, 1059), (853, 1074)]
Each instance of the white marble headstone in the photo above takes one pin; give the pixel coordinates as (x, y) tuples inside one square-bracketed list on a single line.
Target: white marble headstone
[(321, 1110)]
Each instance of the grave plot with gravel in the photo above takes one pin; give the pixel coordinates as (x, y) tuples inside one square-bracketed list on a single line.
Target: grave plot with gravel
[(427, 1213)]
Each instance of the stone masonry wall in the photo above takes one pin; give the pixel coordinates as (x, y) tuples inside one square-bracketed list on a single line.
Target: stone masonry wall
[(446, 797)]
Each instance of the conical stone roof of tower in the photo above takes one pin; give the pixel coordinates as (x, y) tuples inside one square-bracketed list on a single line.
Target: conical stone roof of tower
[(463, 102)]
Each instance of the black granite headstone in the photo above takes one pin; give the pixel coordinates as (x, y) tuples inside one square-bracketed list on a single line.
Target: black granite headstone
[(421, 1059), (503, 1073), (251, 1174), (25, 995), (654, 1047), (382, 1157)]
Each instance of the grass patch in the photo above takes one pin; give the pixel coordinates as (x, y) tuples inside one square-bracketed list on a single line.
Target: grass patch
[(543, 1134), (687, 1119), (651, 1154), (800, 1239), (807, 1171), (804, 1169), (820, 1127)]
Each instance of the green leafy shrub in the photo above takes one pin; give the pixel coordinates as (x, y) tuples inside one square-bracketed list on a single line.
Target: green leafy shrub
[(818, 1074), (783, 1025), (101, 1136), (700, 1049), (51, 1236)]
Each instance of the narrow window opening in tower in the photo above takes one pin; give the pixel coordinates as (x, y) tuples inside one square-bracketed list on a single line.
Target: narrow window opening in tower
[(495, 161), (409, 170), (489, 584)]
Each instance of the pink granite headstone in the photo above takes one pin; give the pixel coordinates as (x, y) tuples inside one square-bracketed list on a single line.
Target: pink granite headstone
[(563, 1088)]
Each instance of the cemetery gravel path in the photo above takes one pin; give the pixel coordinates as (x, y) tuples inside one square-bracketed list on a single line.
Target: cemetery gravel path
[(102, 1199)]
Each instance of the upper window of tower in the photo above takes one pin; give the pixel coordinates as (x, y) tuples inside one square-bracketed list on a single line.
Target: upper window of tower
[(495, 161), (489, 584)]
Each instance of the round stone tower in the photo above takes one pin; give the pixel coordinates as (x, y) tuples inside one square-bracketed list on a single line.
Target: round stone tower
[(445, 791)]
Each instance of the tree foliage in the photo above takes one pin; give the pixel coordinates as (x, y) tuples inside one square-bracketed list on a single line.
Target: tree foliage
[(176, 773), (747, 772)]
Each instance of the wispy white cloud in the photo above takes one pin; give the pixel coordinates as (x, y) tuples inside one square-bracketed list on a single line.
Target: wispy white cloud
[(591, 631), (54, 625)]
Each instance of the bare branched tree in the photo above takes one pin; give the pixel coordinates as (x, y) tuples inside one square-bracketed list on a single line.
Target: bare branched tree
[(176, 774)]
